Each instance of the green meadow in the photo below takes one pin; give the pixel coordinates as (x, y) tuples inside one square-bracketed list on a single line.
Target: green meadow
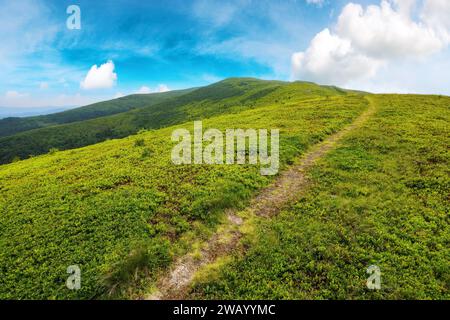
[(122, 211), (114, 204), (381, 198)]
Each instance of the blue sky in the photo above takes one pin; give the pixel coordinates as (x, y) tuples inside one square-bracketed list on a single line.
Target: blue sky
[(149, 46)]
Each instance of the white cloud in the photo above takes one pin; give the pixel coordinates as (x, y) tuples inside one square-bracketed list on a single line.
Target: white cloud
[(100, 77), (330, 58), (211, 78), (13, 98), (118, 95), (386, 32), (364, 40), (144, 90), (436, 15), (163, 88), (12, 94), (404, 7), (147, 90), (43, 85)]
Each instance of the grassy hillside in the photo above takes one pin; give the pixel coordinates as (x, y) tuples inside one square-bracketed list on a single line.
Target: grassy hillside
[(122, 211), (380, 198), (228, 96), (12, 125)]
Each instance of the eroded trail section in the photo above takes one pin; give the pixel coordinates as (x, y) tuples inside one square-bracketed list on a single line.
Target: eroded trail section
[(283, 191)]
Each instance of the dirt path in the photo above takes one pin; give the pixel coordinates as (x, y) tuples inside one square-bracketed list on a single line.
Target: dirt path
[(283, 191)]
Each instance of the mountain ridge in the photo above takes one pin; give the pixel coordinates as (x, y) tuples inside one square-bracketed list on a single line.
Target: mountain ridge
[(12, 125), (226, 96)]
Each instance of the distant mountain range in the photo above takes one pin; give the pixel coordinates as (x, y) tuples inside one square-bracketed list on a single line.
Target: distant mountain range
[(7, 112)]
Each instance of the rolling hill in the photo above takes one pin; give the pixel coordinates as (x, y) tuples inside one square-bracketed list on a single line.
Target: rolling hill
[(146, 112), (12, 125), (124, 213)]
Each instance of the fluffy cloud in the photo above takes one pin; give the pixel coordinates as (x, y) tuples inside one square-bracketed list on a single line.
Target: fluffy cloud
[(436, 15), (332, 59), (387, 32), (12, 94), (363, 40), (146, 90), (163, 88), (118, 95), (100, 77)]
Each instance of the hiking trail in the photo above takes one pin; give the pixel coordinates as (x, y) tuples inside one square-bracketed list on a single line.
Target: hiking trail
[(282, 192)]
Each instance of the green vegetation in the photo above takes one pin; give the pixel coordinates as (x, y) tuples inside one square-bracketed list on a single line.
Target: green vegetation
[(149, 112), (122, 211), (12, 125), (380, 198)]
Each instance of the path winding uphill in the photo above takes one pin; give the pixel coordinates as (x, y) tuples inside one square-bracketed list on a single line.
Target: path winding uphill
[(282, 192)]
